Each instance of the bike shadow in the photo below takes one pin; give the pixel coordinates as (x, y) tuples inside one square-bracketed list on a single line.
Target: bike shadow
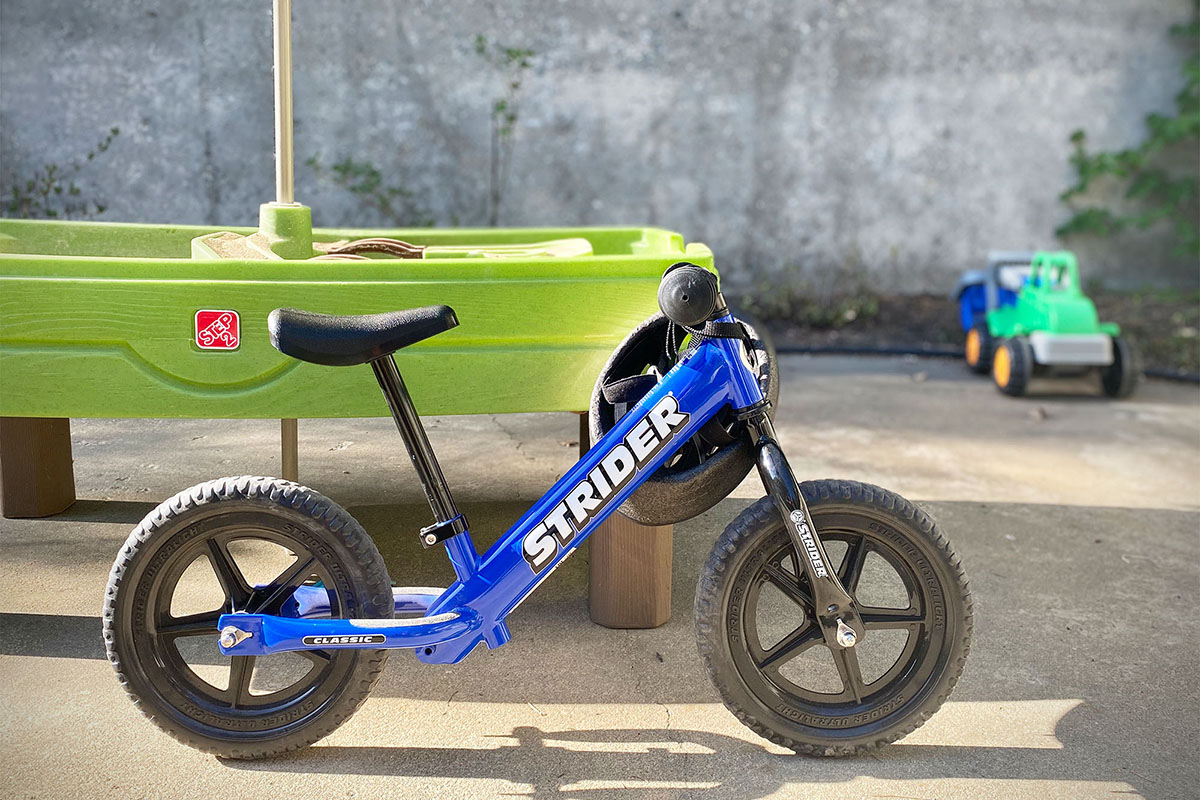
[(667, 762), (126, 512)]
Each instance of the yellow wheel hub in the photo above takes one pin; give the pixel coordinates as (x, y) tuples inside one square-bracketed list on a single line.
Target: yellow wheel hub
[(1002, 367), (973, 347)]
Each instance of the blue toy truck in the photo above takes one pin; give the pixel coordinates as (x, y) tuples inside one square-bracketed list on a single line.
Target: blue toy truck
[(1026, 314)]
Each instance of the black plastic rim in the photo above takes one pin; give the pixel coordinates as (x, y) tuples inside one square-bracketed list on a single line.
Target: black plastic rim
[(155, 631), (859, 707)]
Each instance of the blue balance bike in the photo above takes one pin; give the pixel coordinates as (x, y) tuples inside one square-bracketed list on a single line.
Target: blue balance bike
[(832, 616)]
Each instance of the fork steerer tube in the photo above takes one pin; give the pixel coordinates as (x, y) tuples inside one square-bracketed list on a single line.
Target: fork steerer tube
[(832, 604)]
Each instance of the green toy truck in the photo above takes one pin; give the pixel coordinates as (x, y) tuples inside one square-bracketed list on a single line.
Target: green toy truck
[(1027, 315)]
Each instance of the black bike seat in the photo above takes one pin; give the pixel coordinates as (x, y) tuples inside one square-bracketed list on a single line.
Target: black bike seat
[(343, 340)]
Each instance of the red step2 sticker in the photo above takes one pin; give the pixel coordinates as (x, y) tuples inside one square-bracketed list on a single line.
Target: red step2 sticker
[(217, 330)]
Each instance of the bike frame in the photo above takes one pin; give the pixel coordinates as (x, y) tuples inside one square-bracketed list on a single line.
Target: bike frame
[(475, 607)]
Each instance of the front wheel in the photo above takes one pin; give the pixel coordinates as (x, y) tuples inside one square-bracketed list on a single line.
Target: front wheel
[(1012, 366), (978, 348), (757, 634)]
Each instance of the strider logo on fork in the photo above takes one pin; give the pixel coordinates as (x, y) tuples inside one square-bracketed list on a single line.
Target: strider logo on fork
[(591, 495), (810, 546)]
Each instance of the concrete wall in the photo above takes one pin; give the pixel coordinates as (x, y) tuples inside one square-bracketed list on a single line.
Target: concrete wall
[(807, 142)]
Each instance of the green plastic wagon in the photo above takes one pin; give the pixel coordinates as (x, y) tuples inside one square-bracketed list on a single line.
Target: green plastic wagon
[(101, 320)]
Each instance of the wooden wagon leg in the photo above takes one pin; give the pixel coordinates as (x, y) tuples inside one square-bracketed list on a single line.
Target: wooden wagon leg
[(36, 479), (629, 568), (289, 445)]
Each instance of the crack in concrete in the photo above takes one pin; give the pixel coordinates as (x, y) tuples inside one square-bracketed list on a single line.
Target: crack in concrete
[(518, 444)]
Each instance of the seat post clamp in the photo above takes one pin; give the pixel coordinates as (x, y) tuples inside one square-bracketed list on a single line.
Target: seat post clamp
[(441, 531)]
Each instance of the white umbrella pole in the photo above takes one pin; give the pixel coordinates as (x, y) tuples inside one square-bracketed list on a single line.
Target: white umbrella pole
[(285, 188)]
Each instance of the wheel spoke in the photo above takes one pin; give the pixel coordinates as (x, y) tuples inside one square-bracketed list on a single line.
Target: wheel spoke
[(241, 669), (191, 625), (318, 657), (788, 584), (697, 452), (232, 582), (270, 598), (852, 564), (791, 646), (847, 666), (874, 618)]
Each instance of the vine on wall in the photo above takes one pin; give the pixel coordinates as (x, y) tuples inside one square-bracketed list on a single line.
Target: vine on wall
[(512, 63), (394, 204), (51, 191), (392, 201), (1159, 174)]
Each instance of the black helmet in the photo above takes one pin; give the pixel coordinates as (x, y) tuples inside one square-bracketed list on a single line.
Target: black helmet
[(712, 463)]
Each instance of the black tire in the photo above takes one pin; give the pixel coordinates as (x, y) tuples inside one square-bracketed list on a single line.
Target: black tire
[(1121, 378), (979, 355), (751, 553), (142, 633), (703, 473), (1019, 355)]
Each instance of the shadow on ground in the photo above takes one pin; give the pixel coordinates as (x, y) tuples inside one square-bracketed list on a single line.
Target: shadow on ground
[(1057, 596), (129, 512), (671, 757)]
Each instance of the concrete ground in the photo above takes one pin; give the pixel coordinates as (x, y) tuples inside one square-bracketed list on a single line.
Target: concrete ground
[(1078, 520)]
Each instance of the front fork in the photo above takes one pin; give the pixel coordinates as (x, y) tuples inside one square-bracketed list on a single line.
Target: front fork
[(833, 607)]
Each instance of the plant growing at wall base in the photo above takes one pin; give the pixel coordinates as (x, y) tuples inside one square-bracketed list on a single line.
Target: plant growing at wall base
[(51, 191), (395, 204), (1157, 189), (512, 63), (836, 298)]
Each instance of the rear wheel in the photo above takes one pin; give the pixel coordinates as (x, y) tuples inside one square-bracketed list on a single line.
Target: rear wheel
[(766, 654), (1121, 378), (242, 544), (978, 349), (1012, 366)]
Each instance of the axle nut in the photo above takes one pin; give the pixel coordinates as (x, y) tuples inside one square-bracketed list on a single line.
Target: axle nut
[(232, 637), (227, 638), (846, 636)]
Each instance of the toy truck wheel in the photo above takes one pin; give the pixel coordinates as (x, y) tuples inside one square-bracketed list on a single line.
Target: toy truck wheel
[(1012, 366), (979, 347), (1121, 378)]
